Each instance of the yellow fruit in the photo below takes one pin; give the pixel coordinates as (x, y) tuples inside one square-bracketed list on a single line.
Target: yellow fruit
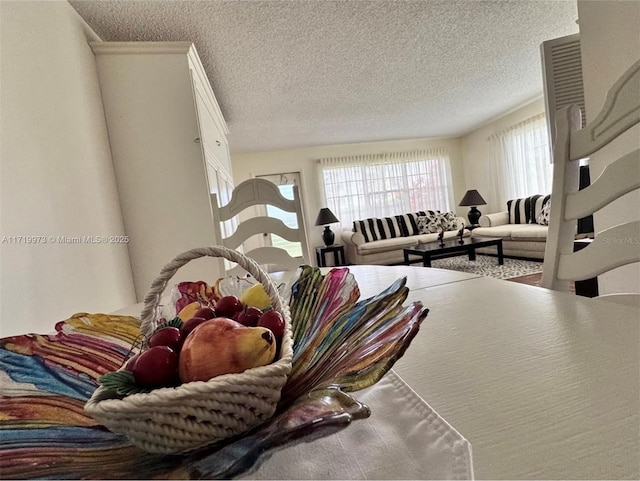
[(255, 296), (222, 346), (189, 311)]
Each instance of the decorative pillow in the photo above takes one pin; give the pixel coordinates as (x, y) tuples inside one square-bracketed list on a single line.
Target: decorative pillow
[(428, 223), (448, 221), (389, 227), (374, 229), (537, 203), (424, 224), (523, 210), (545, 214), (367, 228)]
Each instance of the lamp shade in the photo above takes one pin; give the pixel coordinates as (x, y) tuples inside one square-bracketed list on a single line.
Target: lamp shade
[(325, 216), (472, 197)]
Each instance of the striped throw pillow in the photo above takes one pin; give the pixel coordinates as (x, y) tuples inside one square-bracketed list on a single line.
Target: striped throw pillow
[(411, 224), (517, 211), (404, 225), (374, 229), (367, 228), (522, 211), (389, 227)]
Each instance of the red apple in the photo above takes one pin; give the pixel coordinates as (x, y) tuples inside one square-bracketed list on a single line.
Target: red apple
[(157, 366), (274, 321)]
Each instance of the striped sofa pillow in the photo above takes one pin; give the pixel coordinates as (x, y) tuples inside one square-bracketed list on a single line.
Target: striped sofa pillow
[(366, 227), (526, 209), (374, 229), (404, 225)]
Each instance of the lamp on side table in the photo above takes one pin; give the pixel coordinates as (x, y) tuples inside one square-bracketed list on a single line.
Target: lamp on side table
[(325, 217), (472, 199)]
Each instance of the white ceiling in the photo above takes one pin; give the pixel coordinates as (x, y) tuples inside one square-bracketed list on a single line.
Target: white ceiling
[(297, 73)]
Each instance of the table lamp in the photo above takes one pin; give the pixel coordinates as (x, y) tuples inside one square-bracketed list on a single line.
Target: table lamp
[(472, 199), (325, 216)]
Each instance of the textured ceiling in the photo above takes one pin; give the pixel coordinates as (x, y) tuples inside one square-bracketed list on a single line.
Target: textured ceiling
[(299, 73)]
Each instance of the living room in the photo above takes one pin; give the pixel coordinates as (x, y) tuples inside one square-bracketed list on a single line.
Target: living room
[(57, 172)]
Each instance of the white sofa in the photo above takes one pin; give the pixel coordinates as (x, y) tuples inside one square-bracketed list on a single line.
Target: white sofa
[(522, 227), (518, 240), (388, 251)]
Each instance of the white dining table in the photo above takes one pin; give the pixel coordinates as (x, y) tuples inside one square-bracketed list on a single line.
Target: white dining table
[(543, 384)]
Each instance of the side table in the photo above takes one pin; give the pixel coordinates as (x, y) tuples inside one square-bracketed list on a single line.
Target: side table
[(587, 287), (338, 255)]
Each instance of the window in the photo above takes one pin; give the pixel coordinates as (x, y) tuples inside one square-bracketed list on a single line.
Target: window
[(382, 185), (521, 161)]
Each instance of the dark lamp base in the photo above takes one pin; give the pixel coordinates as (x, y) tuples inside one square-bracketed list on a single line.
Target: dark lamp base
[(328, 236), (474, 215)]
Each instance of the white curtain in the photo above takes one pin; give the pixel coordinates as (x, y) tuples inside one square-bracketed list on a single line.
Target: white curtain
[(521, 161), (381, 185)]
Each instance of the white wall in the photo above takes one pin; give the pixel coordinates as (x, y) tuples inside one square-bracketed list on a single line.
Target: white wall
[(477, 157), (610, 43), (304, 161), (56, 173)]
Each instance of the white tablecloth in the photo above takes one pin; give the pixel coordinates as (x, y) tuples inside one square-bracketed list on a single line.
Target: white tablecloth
[(403, 439)]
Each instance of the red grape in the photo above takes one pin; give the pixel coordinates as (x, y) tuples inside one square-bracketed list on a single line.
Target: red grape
[(157, 366), (167, 336), (273, 321), (227, 306)]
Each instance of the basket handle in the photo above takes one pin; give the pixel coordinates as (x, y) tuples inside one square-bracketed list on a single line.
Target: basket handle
[(152, 299)]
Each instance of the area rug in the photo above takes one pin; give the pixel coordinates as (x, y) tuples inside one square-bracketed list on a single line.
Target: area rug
[(488, 266)]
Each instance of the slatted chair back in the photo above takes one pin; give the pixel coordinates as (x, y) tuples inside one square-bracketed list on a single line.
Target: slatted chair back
[(253, 192), (612, 247)]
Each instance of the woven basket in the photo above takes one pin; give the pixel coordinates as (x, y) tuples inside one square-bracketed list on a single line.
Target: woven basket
[(183, 418)]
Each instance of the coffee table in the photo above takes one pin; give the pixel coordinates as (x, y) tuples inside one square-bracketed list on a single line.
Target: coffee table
[(451, 248)]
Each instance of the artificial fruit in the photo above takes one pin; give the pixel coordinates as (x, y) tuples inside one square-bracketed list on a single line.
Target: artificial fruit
[(223, 346), (157, 366), (256, 296), (189, 311)]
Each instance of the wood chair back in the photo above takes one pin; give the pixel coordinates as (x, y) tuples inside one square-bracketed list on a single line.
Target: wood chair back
[(253, 192), (612, 247)]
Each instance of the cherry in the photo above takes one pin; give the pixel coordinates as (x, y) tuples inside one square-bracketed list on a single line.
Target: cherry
[(191, 324), (273, 321), (157, 366), (167, 336), (249, 316), (131, 363), (227, 306), (205, 313)]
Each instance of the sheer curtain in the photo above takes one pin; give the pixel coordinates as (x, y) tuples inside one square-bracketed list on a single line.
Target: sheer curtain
[(381, 185), (521, 161)]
